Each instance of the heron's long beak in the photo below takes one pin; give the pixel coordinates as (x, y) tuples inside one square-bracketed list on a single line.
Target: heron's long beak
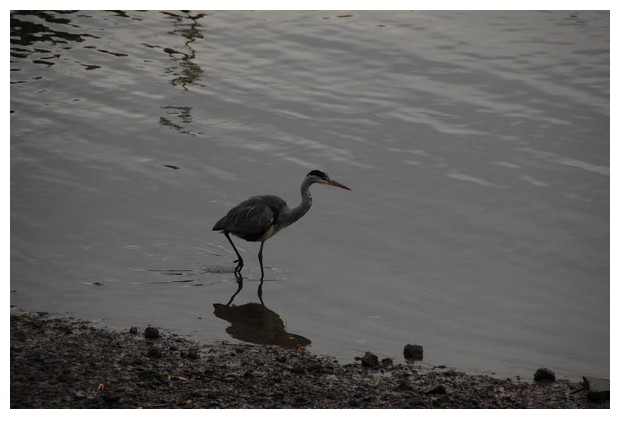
[(338, 184)]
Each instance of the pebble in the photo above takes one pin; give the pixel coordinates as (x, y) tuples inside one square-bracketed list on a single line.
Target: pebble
[(111, 398), (544, 374), (193, 353), (369, 360), (438, 389), (154, 352), (414, 352), (298, 369), (151, 333), (387, 362), (598, 389)]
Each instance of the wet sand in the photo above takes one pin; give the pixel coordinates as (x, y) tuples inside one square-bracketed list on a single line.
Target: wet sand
[(59, 362)]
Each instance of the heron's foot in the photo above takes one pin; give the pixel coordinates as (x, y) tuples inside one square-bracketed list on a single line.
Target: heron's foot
[(239, 265)]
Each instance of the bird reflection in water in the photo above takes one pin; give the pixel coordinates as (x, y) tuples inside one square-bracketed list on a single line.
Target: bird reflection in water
[(255, 323), (258, 219)]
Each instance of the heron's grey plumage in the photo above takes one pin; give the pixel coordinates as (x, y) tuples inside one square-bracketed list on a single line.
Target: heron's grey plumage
[(253, 218), (259, 218)]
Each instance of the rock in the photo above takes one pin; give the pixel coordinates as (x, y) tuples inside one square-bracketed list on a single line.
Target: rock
[(414, 352), (151, 333), (438, 389), (598, 389), (133, 330), (154, 352), (150, 375), (193, 353), (298, 369), (369, 360), (300, 400), (544, 374), (111, 398), (387, 362)]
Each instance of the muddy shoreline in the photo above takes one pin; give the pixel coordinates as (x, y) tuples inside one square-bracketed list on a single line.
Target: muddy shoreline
[(59, 362)]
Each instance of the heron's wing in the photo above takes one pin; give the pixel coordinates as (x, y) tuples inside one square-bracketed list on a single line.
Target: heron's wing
[(253, 217)]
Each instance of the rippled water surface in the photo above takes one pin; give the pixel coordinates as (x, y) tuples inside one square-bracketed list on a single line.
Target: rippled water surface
[(476, 145)]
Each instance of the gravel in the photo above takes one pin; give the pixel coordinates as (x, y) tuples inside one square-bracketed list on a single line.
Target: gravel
[(61, 362)]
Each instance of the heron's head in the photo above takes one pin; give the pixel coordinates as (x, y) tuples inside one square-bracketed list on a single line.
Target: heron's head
[(321, 177)]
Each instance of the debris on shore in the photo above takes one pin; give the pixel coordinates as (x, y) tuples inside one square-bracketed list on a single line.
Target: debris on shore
[(68, 363), (413, 352)]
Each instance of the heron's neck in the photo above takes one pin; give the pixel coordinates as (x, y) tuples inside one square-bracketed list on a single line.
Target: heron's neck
[(294, 214)]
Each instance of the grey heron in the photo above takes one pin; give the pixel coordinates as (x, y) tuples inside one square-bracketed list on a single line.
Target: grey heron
[(260, 218)]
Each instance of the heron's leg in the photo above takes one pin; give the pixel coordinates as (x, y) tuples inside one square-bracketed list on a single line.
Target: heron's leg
[(238, 261), (260, 292), (260, 259), (240, 286)]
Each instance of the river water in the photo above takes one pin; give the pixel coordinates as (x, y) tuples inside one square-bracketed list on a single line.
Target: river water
[(476, 145)]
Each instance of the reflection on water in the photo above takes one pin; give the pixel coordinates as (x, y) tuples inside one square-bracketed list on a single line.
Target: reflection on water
[(26, 31), (185, 71), (188, 27), (251, 322), (255, 323)]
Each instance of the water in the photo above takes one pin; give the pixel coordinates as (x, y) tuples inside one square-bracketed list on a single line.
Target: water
[(476, 145)]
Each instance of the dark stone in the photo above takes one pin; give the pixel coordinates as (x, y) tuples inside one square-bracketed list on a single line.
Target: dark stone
[(369, 360), (133, 330), (111, 398), (154, 352), (598, 389), (150, 375), (544, 374), (193, 354), (298, 369), (442, 401), (387, 362), (438, 389), (353, 403), (414, 352), (300, 400), (151, 333)]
